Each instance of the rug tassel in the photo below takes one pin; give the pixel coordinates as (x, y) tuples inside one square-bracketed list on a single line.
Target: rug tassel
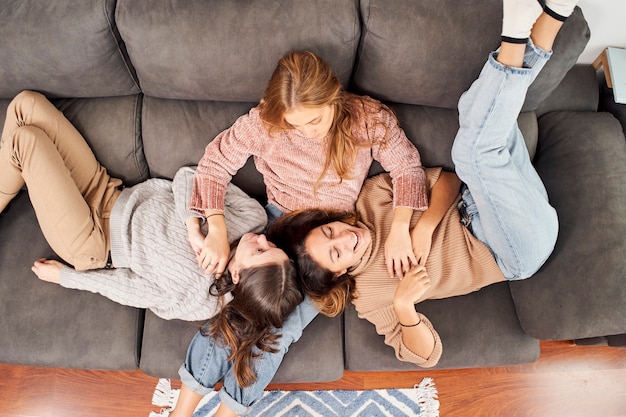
[(427, 398), (164, 396)]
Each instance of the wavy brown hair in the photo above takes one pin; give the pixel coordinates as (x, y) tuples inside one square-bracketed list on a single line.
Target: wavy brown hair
[(289, 232), (303, 78), (262, 301)]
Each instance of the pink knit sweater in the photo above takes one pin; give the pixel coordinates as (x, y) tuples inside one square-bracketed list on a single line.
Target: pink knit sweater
[(291, 163)]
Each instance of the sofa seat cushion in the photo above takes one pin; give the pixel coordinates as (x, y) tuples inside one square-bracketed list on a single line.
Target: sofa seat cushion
[(44, 324), (580, 290), (480, 329), (165, 345)]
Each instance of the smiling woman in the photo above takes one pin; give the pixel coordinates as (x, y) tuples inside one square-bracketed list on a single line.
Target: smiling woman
[(338, 246), (471, 235)]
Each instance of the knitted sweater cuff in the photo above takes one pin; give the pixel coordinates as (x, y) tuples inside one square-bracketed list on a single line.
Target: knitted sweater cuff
[(411, 191), (207, 195)]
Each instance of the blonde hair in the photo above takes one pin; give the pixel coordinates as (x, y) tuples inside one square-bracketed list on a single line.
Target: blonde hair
[(303, 78)]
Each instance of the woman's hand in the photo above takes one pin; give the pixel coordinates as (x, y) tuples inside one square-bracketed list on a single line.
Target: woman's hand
[(442, 195), (213, 256), (47, 270), (421, 239), (399, 255), (195, 235), (411, 288), (416, 335)]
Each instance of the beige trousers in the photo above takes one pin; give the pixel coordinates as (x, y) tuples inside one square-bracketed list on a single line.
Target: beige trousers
[(71, 193)]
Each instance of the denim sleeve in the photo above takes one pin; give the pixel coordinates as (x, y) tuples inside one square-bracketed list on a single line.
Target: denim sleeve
[(206, 363), (267, 365)]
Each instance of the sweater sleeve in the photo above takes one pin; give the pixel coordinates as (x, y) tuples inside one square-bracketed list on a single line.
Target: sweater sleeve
[(388, 325), (125, 287), (242, 213), (182, 187), (402, 160), (222, 158)]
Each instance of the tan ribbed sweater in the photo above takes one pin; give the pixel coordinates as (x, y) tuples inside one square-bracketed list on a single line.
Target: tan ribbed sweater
[(458, 264), (291, 163)]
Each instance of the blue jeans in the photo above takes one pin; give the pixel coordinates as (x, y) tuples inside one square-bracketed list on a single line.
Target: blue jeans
[(207, 361), (503, 195), (273, 213)]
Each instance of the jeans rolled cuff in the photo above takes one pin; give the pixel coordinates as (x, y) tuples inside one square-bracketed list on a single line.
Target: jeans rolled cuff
[(534, 54), (231, 403), (495, 64), (542, 53), (191, 383)]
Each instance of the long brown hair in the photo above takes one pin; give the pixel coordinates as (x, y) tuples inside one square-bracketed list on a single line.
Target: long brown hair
[(289, 232), (262, 301), (303, 78)]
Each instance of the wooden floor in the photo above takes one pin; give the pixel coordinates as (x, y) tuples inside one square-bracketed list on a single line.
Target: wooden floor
[(568, 380)]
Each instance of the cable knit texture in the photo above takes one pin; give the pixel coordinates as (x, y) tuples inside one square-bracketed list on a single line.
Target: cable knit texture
[(155, 267), (291, 163), (458, 264)]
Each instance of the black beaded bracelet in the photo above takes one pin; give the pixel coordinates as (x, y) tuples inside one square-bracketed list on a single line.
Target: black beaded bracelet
[(412, 325)]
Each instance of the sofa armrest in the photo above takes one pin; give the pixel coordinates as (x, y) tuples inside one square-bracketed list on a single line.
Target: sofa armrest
[(580, 291)]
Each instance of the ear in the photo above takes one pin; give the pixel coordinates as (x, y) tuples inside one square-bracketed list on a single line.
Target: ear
[(234, 275), (340, 273)]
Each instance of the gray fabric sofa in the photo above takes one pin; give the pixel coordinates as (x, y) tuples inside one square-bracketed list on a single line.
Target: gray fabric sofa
[(149, 83)]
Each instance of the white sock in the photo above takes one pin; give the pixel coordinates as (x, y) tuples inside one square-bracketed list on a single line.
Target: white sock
[(560, 9), (518, 18)]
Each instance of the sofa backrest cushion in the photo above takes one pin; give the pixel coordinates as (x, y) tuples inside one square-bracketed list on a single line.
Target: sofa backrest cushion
[(227, 50), (175, 133), (578, 91), (429, 52), (63, 48)]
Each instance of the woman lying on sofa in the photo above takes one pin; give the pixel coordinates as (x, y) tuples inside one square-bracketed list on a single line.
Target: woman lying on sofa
[(132, 245), (500, 226), (508, 230)]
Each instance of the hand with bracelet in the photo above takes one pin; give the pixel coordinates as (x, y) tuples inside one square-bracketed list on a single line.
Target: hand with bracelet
[(213, 256), (416, 336), (410, 290)]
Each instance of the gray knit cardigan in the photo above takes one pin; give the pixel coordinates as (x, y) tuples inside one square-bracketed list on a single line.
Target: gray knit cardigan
[(155, 267)]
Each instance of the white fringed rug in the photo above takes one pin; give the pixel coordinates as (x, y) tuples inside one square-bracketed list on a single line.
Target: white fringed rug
[(421, 400)]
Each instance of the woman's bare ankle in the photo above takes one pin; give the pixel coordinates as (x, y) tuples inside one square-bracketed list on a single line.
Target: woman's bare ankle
[(511, 54), (544, 31)]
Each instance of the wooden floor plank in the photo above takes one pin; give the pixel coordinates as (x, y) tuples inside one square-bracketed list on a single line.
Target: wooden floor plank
[(567, 380)]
